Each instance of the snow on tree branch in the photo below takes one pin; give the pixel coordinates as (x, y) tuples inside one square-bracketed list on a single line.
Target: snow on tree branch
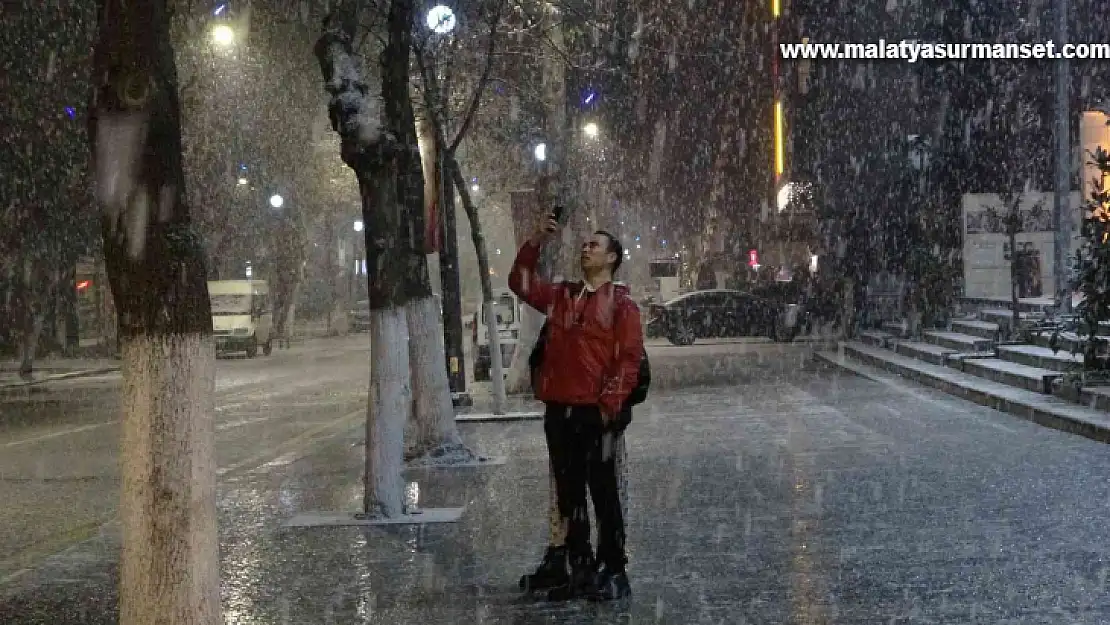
[(353, 112)]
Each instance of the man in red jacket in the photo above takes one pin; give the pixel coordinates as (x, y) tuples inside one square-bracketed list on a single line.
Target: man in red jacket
[(591, 363)]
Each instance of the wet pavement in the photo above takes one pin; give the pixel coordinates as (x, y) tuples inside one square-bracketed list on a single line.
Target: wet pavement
[(59, 445), (799, 495)]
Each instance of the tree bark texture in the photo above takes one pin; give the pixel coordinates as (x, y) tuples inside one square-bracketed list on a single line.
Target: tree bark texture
[(169, 570)]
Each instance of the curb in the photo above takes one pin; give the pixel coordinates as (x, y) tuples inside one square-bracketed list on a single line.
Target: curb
[(83, 373), (1041, 409), (489, 417)]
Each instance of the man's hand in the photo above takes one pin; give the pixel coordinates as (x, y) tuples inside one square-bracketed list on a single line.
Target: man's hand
[(548, 232)]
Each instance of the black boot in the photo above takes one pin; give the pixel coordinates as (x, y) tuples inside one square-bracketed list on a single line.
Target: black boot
[(610, 585), (551, 573), (583, 572)]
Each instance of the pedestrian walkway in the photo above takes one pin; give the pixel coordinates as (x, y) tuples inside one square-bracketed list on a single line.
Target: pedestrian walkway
[(48, 369), (822, 499)]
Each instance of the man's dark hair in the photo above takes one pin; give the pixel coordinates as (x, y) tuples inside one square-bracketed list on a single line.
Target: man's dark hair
[(614, 247)]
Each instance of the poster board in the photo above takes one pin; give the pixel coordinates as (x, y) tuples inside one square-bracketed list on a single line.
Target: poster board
[(986, 250)]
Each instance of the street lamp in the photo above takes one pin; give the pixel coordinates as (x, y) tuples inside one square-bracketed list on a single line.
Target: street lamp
[(223, 35), (242, 181), (358, 225), (591, 130), (441, 19), (541, 152), (277, 201)]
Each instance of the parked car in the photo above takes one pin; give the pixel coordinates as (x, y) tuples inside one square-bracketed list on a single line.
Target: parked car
[(724, 313), (242, 319)]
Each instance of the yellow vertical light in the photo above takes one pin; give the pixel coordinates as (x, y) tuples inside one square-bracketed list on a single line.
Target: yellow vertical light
[(776, 7), (780, 157)]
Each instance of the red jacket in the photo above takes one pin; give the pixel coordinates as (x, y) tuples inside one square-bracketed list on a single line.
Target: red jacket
[(594, 342)]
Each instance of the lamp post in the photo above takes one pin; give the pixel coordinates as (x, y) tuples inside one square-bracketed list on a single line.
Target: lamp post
[(441, 20), (1062, 214)]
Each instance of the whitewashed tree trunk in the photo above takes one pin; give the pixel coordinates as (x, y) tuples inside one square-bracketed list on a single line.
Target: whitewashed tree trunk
[(388, 404), (432, 436), (169, 569), (169, 565)]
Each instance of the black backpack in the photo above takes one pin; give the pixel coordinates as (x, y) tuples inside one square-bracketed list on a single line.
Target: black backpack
[(638, 394)]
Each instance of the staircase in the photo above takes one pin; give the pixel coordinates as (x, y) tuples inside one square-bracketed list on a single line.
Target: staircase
[(971, 345)]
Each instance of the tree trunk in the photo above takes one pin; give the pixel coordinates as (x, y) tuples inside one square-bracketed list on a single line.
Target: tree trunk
[(169, 568), (390, 396), (31, 316), (489, 310), (432, 436), (378, 154)]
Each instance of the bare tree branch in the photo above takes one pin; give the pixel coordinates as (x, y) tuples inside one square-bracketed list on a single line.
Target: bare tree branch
[(482, 81)]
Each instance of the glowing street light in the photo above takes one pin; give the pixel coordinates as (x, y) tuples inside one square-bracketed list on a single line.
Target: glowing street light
[(441, 19), (591, 130), (541, 152), (358, 225), (277, 201), (242, 181), (223, 35)]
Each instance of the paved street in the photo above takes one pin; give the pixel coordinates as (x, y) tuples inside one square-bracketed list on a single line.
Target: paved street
[(59, 443), (797, 495)]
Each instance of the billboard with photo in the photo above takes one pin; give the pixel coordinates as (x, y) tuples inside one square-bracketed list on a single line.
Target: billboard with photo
[(986, 251)]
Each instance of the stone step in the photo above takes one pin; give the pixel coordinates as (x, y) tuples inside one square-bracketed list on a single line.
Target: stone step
[(1096, 397), (926, 352), (878, 338), (1045, 410), (1041, 357), (1002, 316), (1025, 304), (1068, 341), (957, 341), (975, 327), (1017, 375), (895, 328)]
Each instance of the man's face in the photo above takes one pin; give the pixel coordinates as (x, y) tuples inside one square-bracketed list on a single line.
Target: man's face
[(595, 254)]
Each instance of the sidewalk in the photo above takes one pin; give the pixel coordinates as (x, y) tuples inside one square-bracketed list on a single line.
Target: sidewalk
[(465, 572), (48, 369), (56, 368), (877, 363)]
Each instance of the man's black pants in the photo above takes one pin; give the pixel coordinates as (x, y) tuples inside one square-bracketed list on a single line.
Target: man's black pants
[(582, 453)]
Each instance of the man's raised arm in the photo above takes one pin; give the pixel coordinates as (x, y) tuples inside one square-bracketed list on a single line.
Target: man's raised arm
[(525, 280)]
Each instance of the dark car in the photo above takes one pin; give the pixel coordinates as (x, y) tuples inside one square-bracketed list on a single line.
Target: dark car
[(724, 313)]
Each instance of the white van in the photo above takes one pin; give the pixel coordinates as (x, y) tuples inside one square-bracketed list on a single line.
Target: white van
[(242, 320), (509, 310)]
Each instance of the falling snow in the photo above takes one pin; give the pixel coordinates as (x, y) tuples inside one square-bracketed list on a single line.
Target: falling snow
[(846, 270)]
